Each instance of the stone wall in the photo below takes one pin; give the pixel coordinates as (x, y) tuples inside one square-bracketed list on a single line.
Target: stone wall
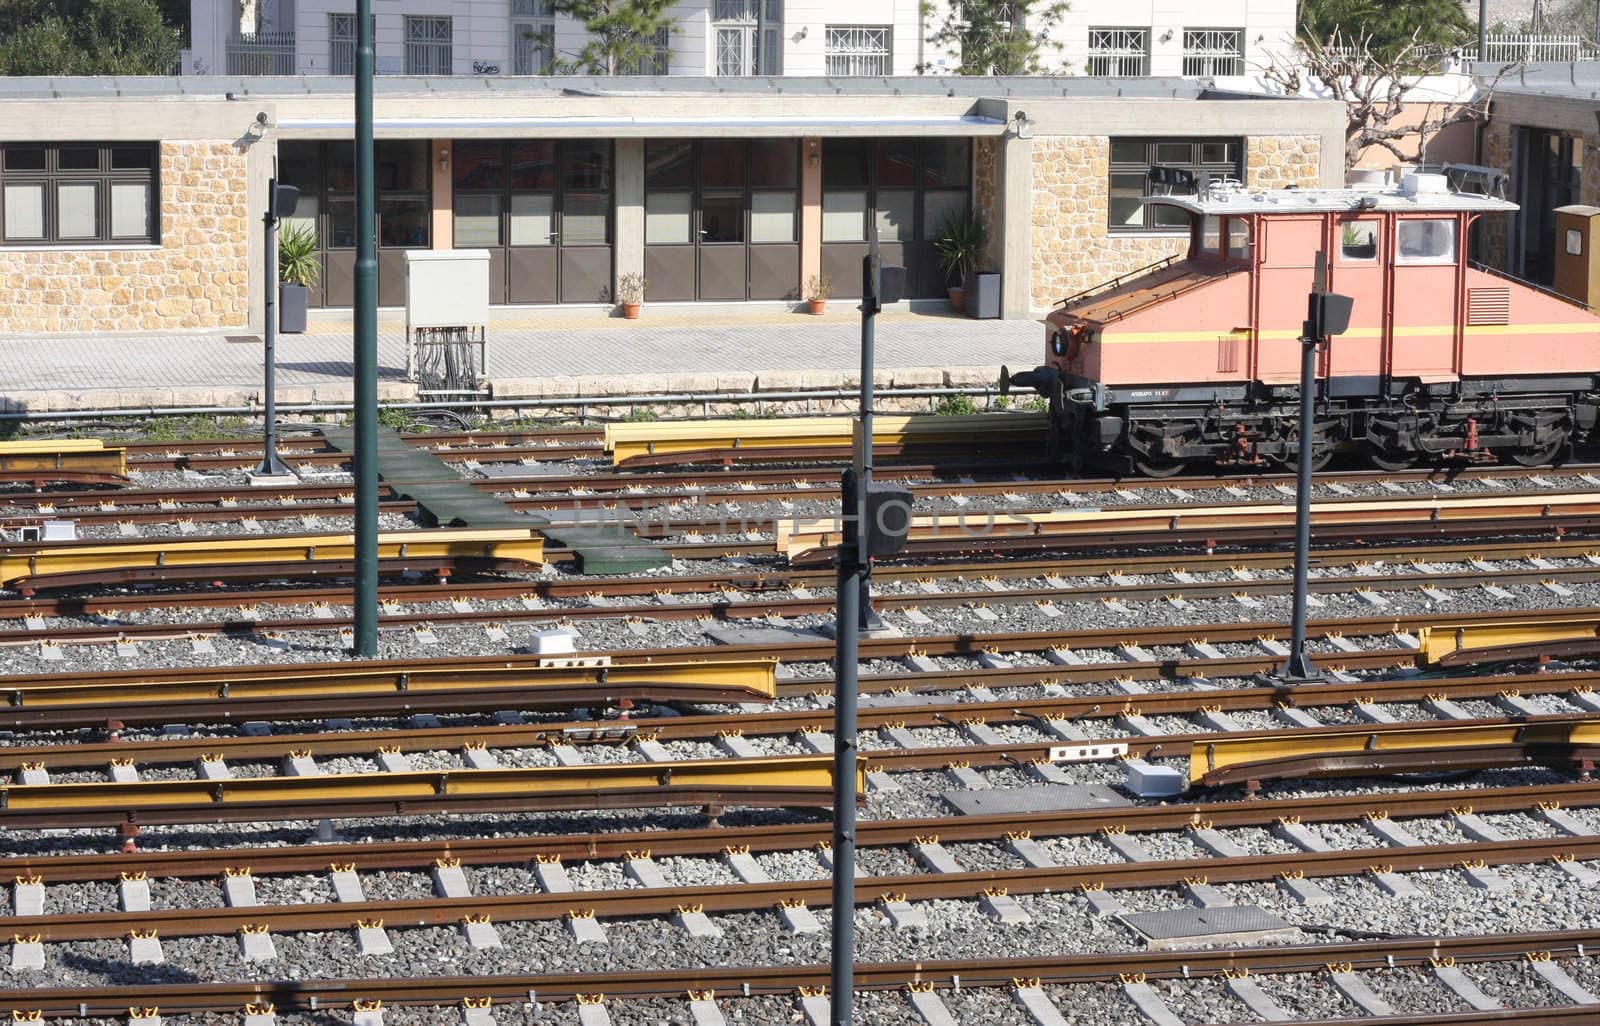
[(1494, 232), (196, 277), (986, 196), (1073, 248)]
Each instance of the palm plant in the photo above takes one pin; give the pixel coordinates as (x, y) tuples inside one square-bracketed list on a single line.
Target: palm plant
[(297, 255), (959, 244)]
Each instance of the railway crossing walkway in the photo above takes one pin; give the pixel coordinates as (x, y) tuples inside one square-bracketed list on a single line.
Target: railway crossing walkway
[(531, 354)]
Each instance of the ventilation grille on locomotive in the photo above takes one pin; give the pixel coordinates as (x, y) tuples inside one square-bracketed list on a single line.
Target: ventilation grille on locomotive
[(1489, 305)]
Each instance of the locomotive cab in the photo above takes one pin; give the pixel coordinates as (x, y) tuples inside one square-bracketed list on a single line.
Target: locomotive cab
[(1195, 358)]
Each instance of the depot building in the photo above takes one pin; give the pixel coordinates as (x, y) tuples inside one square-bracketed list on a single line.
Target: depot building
[(136, 204)]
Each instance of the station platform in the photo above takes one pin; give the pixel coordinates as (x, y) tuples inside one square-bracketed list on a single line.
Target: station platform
[(531, 355)]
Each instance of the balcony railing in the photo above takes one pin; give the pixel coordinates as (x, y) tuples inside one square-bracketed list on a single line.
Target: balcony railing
[(261, 53), (1515, 47)]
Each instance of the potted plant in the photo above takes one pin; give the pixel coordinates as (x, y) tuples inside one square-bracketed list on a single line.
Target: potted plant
[(630, 293), (818, 288), (297, 272), (957, 248)]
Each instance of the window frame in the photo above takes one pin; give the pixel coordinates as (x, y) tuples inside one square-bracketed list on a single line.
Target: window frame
[(105, 176), (507, 192), (1451, 259), (437, 45), (1375, 224), (1204, 52), (1196, 163), (1117, 48), (859, 53), (920, 188), (660, 60), (737, 19), (533, 35)]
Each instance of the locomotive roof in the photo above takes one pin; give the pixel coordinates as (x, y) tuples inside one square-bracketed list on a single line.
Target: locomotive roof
[(1291, 201)]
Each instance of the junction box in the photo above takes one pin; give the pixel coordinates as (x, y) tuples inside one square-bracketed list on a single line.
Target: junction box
[(447, 321)]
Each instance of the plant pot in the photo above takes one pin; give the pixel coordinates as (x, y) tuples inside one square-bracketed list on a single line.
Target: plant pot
[(816, 306), (630, 311), (983, 294), (292, 303), (958, 299)]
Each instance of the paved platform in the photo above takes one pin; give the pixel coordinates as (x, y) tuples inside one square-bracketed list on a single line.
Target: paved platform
[(538, 355)]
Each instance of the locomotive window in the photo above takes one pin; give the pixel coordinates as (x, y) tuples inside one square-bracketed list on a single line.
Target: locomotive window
[(1211, 235), (1358, 241), (1238, 238), (1131, 161), (1426, 241)]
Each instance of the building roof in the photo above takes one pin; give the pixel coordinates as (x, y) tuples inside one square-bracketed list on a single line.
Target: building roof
[(579, 87), (1237, 200), (1573, 81)]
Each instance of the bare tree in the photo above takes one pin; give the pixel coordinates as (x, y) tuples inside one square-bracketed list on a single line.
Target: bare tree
[(1375, 89)]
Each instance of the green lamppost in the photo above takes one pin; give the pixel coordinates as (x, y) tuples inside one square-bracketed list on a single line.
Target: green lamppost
[(366, 349)]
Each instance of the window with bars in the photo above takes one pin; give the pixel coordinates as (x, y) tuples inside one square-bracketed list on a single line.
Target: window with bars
[(858, 50), (79, 193), (1213, 51), (428, 46), (660, 59), (1131, 161), (533, 37), (737, 25), (1120, 52), (342, 43)]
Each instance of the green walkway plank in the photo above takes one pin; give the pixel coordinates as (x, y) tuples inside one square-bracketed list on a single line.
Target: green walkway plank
[(444, 499)]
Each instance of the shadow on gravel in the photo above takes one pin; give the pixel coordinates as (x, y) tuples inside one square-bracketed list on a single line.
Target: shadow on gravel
[(123, 973)]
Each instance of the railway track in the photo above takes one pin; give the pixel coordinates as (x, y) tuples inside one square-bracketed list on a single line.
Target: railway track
[(794, 983), (975, 713), (1104, 577), (475, 683)]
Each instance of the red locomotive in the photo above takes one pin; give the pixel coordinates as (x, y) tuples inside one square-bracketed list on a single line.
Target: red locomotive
[(1197, 359)]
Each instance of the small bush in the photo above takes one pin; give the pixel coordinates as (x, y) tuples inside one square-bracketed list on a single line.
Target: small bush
[(955, 406)]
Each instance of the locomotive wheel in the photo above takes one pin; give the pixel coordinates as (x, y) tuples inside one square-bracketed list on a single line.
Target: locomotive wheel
[(1320, 458), (1394, 462), (1159, 466), (1539, 456)]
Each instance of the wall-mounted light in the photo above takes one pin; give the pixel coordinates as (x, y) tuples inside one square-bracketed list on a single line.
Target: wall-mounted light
[(813, 154), (1022, 125), (444, 159), (1166, 37)]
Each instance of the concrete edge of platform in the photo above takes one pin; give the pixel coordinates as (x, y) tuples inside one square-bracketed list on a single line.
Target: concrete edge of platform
[(705, 389)]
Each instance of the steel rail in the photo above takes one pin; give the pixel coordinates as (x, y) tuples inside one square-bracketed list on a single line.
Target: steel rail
[(726, 609), (374, 689), (1055, 970), (814, 893), (775, 579), (14, 689), (801, 537), (768, 782), (116, 711), (756, 682), (777, 781), (47, 565), (762, 484), (710, 841), (275, 690)]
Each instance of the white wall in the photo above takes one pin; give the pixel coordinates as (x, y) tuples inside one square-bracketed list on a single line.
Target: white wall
[(482, 31)]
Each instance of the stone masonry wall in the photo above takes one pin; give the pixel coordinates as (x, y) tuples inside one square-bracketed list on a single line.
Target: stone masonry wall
[(196, 278), (1073, 248), (986, 196), (1494, 233)]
